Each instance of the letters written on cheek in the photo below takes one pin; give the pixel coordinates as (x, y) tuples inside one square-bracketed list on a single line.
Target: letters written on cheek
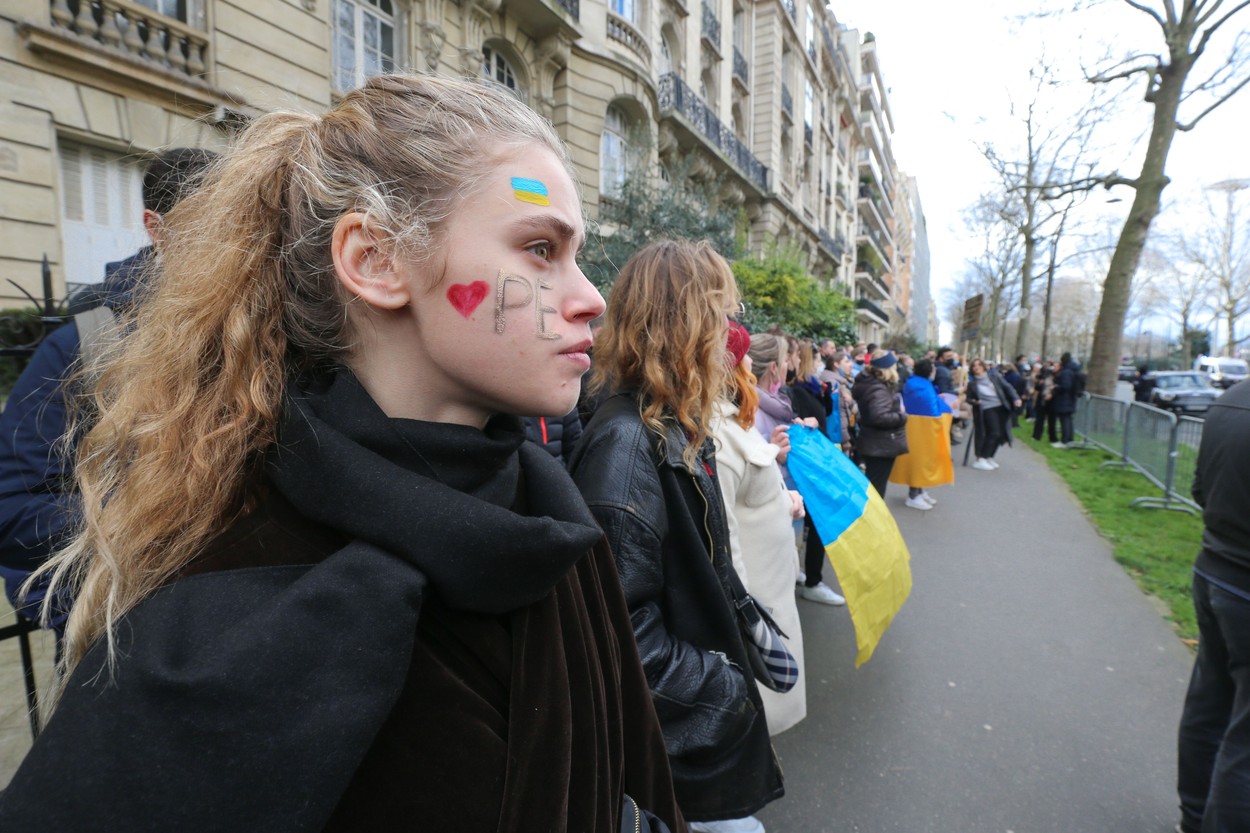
[(517, 292)]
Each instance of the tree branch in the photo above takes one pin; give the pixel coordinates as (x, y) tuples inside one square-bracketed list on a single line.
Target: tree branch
[(1202, 19), (1192, 123), (1106, 77), (1149, 11)]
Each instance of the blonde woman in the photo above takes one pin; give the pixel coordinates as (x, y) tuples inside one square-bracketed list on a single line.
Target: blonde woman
[(882, 432), (759, 509), (321, 582), (647, 468)]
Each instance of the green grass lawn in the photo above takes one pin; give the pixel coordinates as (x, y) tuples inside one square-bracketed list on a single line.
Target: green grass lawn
[(1155, 546)]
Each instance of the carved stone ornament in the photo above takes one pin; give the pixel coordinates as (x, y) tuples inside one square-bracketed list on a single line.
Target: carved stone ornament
[(432, 39)]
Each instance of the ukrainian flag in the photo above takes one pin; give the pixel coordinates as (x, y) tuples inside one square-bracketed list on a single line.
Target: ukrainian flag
[(860, 537), (928, 461)]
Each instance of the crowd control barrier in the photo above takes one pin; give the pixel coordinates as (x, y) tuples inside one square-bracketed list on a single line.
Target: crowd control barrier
[(1159, 445)]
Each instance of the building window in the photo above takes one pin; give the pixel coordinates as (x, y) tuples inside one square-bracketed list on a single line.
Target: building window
[(666, 55), (613, 152), (808, 105), (101, 210), (495, 67), (627, 9), (364, 41)]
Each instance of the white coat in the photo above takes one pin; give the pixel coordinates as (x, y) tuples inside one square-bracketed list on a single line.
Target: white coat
[(762, 541)]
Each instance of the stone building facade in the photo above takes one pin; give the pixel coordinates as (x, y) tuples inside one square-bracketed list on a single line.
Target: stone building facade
[(773, 99)]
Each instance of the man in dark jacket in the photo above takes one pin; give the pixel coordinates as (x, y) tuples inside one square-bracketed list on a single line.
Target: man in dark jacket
[(1063, 402), (942, 371), (1214, 761), (37, 506)]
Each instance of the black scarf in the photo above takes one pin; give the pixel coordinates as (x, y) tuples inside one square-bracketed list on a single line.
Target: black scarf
[(440, 496)]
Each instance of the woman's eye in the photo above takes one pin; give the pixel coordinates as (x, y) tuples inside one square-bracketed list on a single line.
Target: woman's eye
[(543, 250)]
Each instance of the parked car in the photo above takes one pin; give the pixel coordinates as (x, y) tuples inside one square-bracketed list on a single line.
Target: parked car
[(1224, 372), (1126, 373), (1181, 391)]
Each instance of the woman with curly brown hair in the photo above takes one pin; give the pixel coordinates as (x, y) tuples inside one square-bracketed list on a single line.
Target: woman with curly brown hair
[(646, 467), (322, 583)]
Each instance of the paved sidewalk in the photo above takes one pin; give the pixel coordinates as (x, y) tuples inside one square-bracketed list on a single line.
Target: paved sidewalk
[(1027, 686)]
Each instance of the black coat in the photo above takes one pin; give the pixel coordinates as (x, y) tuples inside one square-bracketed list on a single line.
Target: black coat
[(557, 435), (1064, 399), (667, 528), (882, 431), (1222, 488), (465, 663)]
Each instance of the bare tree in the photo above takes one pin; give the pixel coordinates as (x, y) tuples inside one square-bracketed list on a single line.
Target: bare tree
[(1054, 156), (1186, 27), (1221, 253), (994, 271), (1177, 290)]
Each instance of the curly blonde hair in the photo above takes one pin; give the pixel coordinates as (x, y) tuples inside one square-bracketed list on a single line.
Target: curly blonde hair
[(248, 298), (664, 335)]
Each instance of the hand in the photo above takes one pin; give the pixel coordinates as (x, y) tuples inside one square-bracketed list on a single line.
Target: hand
[(1018, 403), (781, 439), (796, 505), (810, 422)]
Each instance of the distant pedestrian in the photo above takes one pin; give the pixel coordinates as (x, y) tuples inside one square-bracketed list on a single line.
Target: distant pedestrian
[(1063, 401), (882, 433), (1213, 778), (993, 401)]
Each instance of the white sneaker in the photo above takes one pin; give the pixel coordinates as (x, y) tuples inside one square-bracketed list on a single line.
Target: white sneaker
[(982, 465), (821, 594), (992, 461), (1058, 445), (749, 824), (802, 579), (930, 499), (918, 502)]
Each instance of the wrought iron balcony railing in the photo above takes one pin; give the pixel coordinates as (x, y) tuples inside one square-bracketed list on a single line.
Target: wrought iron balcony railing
[(787, 103), (676, 96), (740, 67), (711, 26)]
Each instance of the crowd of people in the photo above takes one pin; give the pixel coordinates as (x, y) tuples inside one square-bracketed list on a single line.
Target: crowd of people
[(281, 499)]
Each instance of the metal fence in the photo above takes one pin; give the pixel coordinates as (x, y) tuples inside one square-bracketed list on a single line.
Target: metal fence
[(1157, 444)]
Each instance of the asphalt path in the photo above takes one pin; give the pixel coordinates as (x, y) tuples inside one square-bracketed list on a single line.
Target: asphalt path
[(1027, 685)]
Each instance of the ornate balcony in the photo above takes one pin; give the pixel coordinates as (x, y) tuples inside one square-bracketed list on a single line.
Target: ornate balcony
[(711, 26), (135, 31), (807, 135), (623, 32), (572, 7), (676, 97), (741, 73), (866, 306), (831, 245), (788, 5), (787, 102)]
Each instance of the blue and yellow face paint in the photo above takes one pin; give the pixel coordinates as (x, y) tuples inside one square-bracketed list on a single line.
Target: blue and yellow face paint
[(530, 190)]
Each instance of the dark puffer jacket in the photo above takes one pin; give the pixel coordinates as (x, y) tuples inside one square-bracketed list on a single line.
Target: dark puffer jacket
[(881, 418), (667, 529), (558, 435)]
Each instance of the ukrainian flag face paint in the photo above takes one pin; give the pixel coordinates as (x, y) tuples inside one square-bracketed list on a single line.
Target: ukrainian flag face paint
[(530, 190)]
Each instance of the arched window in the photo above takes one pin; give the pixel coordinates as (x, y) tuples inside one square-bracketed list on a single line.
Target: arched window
[(364, 41), (666, 56), (495, 67), (613, 152)]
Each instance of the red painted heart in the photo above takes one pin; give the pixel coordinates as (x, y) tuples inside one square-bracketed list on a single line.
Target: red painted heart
[(466, 297)]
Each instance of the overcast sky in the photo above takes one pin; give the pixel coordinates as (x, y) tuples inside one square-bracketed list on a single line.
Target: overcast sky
[(953, 71)]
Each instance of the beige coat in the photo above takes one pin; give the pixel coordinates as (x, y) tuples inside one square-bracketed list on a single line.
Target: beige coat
[(762, 540)]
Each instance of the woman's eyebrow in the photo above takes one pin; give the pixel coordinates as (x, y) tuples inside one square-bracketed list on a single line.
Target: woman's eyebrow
[(549, 223)]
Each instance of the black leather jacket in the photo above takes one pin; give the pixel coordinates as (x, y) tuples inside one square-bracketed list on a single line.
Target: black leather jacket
[(667, 528)]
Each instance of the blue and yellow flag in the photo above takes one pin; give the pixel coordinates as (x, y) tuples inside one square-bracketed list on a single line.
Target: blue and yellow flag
[(860, 537), (927, 462)]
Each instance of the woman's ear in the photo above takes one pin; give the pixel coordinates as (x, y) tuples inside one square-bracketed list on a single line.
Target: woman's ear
[(364, 266)]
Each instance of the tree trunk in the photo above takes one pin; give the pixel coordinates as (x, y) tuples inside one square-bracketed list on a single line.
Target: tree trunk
[(1109, 330)]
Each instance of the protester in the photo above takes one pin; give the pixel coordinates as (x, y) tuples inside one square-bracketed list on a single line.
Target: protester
[(775, 412), (1063, 399), (1043, 395), (38, 502), (647, 468), (837, 374), (760, 509), (1214, 750), (942, 371), (882, 432), (927, 462), (992, 401), (323, 583)]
